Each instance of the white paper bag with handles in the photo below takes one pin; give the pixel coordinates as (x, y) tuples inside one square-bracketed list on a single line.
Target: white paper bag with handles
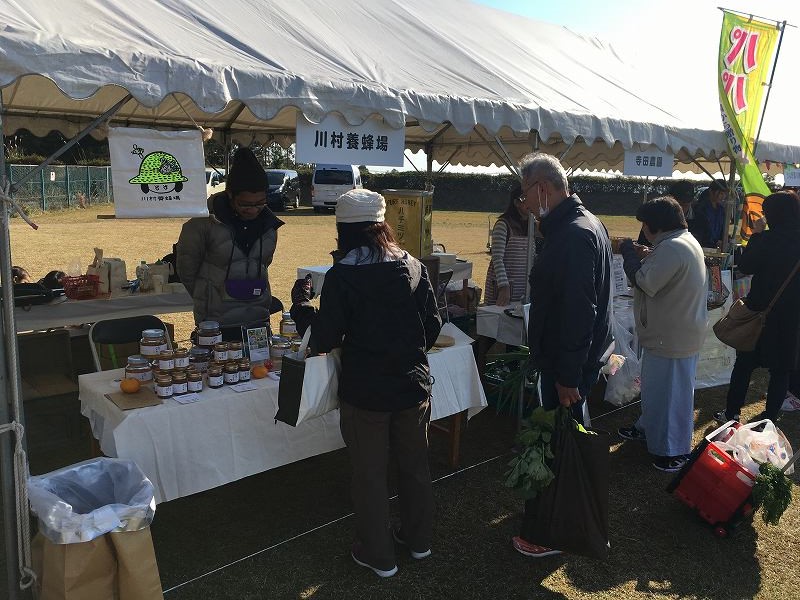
[(309, 386)]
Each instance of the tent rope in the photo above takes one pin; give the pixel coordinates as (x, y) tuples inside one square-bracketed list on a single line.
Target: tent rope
[(21, 474), (205, 133)]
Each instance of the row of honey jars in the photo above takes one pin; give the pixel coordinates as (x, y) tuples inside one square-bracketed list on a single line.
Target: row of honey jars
[(225, 351), (230, 373), (168, 360)]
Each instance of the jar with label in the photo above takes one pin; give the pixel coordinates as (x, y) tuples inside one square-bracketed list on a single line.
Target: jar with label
[(181, 358), (199, 357), (215, 378), (208, 334), (231, 374), (138, 367), (288, 328), (276, 351), (179, 383), (164, 386), (221, 352), (166, 360), (194, 381), (234, 350), (153, 343), (244, 369)]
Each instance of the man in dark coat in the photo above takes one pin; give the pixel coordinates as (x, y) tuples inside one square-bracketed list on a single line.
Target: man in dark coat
[(569, 333)]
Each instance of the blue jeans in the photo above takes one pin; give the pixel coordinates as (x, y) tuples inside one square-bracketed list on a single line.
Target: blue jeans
[(589, 375)]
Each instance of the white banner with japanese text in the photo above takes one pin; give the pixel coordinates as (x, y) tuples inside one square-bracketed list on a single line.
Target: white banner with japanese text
[(157, 173), (333, 141), (648, 162)]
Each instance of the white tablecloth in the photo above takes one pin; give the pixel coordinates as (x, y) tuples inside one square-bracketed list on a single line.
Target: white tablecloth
[(493, 323), (461, 270), (77, 312), (225, 436)]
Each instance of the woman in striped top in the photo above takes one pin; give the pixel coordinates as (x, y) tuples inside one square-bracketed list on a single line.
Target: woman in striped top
[(508, 269)]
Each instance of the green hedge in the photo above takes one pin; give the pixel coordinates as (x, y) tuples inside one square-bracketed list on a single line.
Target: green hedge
[(490, 193)]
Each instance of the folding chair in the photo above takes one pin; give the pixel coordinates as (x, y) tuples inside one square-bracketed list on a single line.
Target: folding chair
[(120, 337)]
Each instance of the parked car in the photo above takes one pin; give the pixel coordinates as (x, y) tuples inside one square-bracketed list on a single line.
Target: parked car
[(330, 182), (283, 189), (215, 181)]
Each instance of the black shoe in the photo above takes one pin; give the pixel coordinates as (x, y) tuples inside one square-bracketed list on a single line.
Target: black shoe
[(632, 433), (722, 417), (414, 554), (670, 464)]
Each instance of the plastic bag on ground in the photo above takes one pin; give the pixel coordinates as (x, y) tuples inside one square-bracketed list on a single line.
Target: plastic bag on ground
[(84, 501), (767, 445)]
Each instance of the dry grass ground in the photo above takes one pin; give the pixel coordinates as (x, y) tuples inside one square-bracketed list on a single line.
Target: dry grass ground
[(244, 540), (306, 239)]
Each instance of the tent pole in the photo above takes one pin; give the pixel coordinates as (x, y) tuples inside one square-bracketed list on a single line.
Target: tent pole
[(411, 162), (509, 160), (782, 27), (9, 389), (729, 208), (89, 128), (506, 164)]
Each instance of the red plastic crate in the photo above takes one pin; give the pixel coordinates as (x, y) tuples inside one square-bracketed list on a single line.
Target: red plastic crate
[(715, 485)]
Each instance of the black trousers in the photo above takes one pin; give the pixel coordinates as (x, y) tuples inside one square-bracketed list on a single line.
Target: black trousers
[(746, 363)]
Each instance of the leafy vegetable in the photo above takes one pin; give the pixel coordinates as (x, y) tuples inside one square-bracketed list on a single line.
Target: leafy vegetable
[(772, 493), (530, 470)]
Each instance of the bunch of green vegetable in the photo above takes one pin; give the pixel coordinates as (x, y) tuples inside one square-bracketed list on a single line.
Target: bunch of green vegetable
[(511, 368), (772, 492), (530, 470)]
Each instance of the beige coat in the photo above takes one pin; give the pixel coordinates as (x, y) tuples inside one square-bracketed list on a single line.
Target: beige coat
[(670, 296)]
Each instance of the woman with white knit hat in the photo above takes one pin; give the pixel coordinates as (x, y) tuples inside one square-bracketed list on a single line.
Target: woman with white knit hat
[(379, 307)]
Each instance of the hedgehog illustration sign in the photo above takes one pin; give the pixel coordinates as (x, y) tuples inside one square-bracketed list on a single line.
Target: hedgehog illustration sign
[(157, 173)]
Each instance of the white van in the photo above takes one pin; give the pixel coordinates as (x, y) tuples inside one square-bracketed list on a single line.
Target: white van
[(215, 181), (330, 182)]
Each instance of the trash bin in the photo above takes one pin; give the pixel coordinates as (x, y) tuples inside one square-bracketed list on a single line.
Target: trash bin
[(94, 538)]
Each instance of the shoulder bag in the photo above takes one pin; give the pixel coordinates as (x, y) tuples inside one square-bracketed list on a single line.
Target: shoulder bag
[(741, 327)]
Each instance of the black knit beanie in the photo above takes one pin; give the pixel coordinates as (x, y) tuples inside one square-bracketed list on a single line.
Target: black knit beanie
[(247, 174)]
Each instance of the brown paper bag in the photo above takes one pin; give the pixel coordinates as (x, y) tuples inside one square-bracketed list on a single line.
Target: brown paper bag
[(114, 566)]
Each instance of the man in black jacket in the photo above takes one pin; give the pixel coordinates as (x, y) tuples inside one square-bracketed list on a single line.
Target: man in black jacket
[(569, 333), (570, 324)]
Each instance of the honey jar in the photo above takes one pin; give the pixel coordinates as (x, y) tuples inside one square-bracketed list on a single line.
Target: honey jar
[(199, 358), (164, 386), (234, 350), (195, 381), (153, 342), (215, 378), (244, 369), (138, 367), (179, 383), (166, 360), (209, 333), (181, 358), (231, 373), (221, 352)]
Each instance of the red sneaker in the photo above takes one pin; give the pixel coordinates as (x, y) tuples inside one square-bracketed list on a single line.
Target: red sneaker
[(532, 550)]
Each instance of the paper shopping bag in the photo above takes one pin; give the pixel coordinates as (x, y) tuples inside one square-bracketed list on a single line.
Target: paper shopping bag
[(309, 387), (115, 565), (571, 514)]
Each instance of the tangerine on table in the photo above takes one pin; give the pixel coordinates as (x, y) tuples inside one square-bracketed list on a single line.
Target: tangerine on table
[(130, 386), (260, 371)]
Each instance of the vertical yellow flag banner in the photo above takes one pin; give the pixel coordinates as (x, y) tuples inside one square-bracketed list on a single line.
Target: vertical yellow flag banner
[(746, 50)]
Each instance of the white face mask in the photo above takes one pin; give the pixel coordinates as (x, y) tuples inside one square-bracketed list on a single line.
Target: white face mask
[(543, 210)]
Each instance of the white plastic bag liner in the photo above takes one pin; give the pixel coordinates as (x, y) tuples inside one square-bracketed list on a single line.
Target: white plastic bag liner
[(86, 500), (320, 393), (625, 384), (769, 445)]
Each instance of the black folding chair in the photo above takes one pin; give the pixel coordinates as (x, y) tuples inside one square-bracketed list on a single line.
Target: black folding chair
[(112, 335)]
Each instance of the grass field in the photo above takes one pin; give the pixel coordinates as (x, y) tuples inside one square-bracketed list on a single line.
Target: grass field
[(285, 533), (305, 239)]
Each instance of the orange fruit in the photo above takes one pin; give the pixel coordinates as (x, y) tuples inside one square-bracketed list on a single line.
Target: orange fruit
[(260, 371), (130, 386)]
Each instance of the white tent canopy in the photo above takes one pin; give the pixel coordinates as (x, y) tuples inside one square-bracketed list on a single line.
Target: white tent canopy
[(455, 74)]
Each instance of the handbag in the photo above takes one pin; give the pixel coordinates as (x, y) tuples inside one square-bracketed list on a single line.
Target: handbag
[(309, 387), (571, 514), (741, 328)]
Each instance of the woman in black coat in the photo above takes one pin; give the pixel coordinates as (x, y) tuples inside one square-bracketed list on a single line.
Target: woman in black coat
[(770, 256)]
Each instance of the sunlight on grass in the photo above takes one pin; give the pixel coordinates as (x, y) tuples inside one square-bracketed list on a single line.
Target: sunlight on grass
[(310, 591), (499, 519)]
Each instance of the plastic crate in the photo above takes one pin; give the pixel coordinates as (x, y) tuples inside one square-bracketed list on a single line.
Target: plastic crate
[(715, 485)]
